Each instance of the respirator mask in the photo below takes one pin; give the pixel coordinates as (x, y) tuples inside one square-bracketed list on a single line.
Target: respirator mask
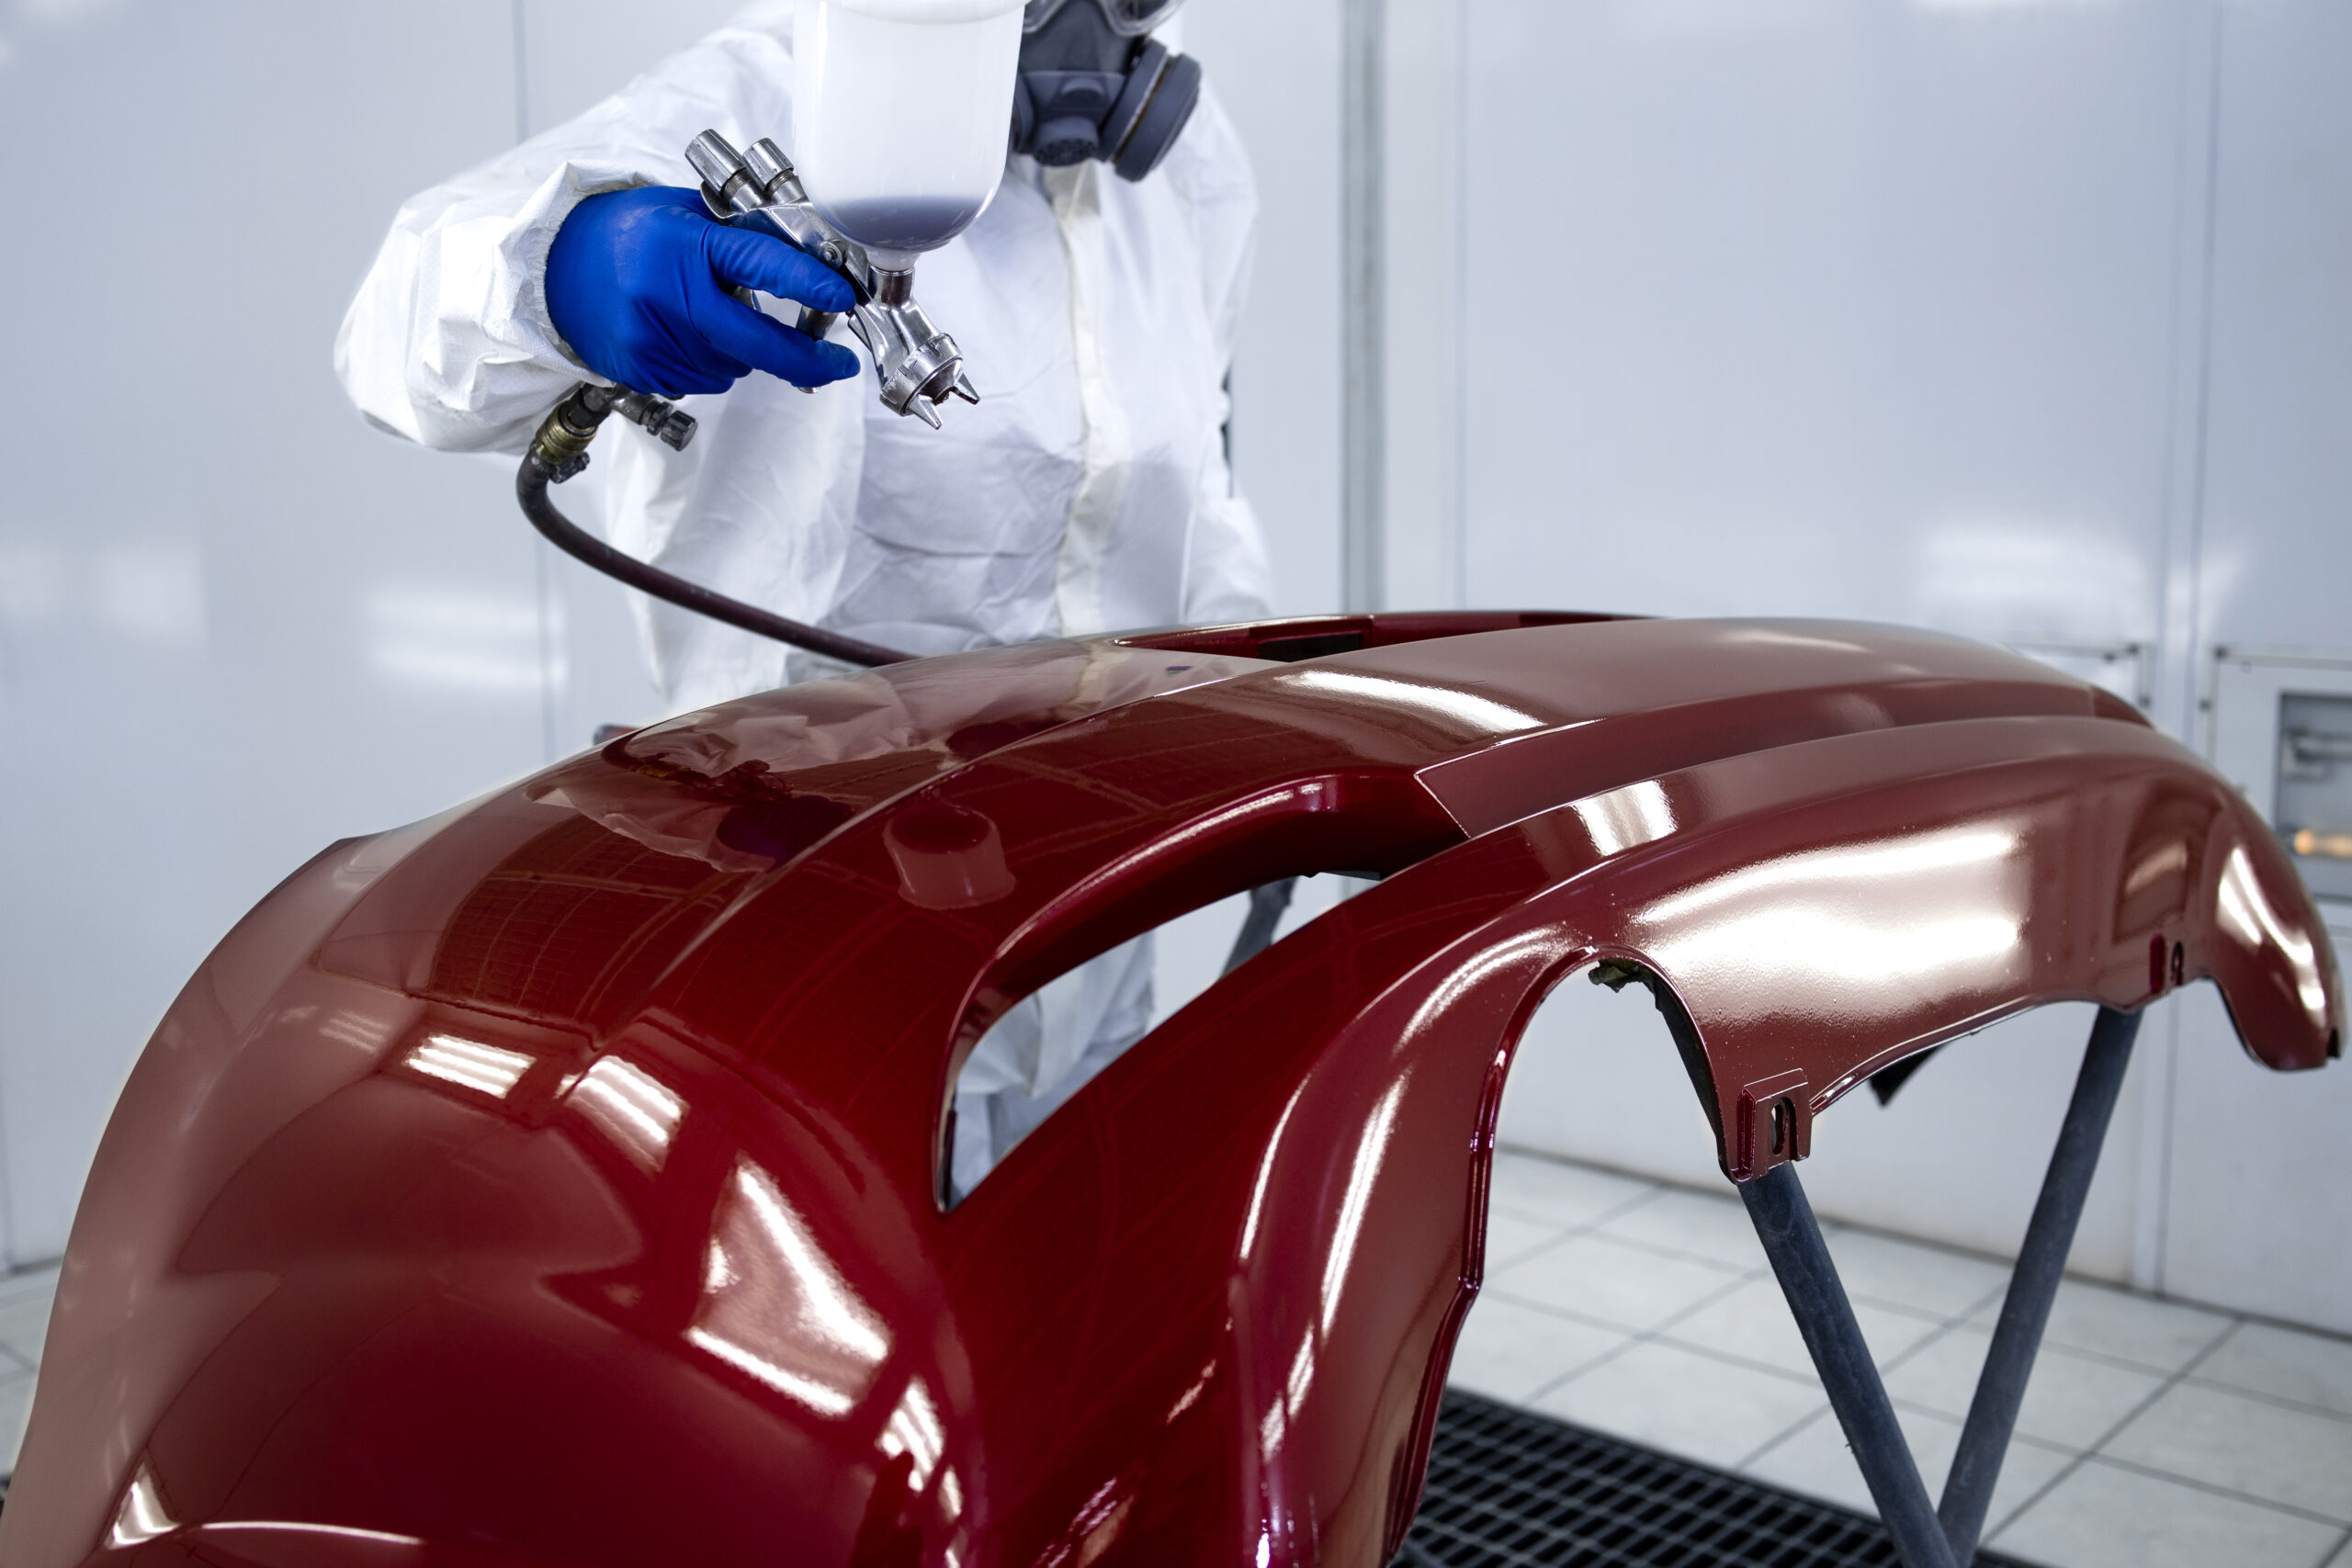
[(1095, 85)]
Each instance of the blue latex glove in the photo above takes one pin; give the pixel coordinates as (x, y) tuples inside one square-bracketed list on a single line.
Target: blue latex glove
[(637, 284)]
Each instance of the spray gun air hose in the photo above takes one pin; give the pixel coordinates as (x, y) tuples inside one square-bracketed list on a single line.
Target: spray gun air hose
[(561, 451), (918, 367)]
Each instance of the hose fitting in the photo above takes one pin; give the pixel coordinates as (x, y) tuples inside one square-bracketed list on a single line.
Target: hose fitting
[(561, 445)]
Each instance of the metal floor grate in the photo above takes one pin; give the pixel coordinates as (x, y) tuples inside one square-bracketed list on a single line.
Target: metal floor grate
[(1510, 1489)]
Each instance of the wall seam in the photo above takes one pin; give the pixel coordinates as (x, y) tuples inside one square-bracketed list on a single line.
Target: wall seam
[(1460, 477), (552, 665), (2190, 676), (2180, 608), (1364, 567)]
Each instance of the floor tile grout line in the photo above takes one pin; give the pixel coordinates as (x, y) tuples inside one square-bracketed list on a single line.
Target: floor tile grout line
[(1940, 1331), (1802, 1422), (1668, 1253), (1941, 1327), (2260, 1320), (1965, 1319), (1917, 1315), (2096, 1448), (1588, 1320), (2277, 1401), (1486, 1286), (2100, 1358), (1949, 1326), (1831, 1227), (1564, 1379), (2187, 1373), (1728, 1193), (2215, 1489), (1934, 1337), (2336, 1553), (1587, 1227), (2047, 1445), (1634, 1340), (1574, 1233), (1639, 1337), (1664, 1336)]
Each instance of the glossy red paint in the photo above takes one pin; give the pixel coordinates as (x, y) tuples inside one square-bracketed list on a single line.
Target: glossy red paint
[(558, 1182)]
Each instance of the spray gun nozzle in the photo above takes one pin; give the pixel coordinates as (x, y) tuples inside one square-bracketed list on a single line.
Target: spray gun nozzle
[(918, 365)]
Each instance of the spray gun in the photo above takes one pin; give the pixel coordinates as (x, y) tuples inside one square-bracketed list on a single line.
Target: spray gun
[(891, 186), (920, 366)]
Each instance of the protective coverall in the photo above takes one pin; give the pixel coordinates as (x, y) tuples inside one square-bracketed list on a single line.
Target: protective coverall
[(1089, 490)]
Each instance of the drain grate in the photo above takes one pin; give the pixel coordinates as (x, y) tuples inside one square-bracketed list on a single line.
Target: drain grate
[(1510, 1489)]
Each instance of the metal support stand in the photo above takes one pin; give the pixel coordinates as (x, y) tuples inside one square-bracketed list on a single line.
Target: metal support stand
[(2042, 1263), (1792, 1238), (1800, 1260)]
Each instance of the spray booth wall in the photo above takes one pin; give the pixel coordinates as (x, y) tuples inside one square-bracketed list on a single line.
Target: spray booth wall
[(235, 624), (2026, 319), (2030, 319)]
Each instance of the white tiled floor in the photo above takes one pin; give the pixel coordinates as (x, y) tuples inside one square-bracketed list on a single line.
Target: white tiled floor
[(2153, 1434)]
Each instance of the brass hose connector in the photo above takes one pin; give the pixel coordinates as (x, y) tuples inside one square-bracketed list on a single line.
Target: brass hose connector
[(565, 434), (562, 442)]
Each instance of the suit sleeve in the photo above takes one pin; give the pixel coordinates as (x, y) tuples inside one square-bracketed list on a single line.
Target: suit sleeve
[(449, 342), (1229, 578)]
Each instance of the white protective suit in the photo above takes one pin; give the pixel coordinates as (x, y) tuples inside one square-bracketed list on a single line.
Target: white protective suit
[(1088, 492)]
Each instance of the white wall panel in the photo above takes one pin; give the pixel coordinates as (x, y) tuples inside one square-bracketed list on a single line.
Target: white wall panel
[(1832, 307), (2259, 1211), (1823, 306), (2278, 501), (1847, 307), (1958, 1157), (236, 624), (1428, 262), (1277, 69), (576, 52), (2028, 321)]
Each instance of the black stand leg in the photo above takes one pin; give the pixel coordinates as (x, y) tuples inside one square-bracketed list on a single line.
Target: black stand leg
[(1792, 1238), (2025, 1312)]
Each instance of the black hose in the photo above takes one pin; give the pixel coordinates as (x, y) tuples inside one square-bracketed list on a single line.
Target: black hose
[(531, 489)]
